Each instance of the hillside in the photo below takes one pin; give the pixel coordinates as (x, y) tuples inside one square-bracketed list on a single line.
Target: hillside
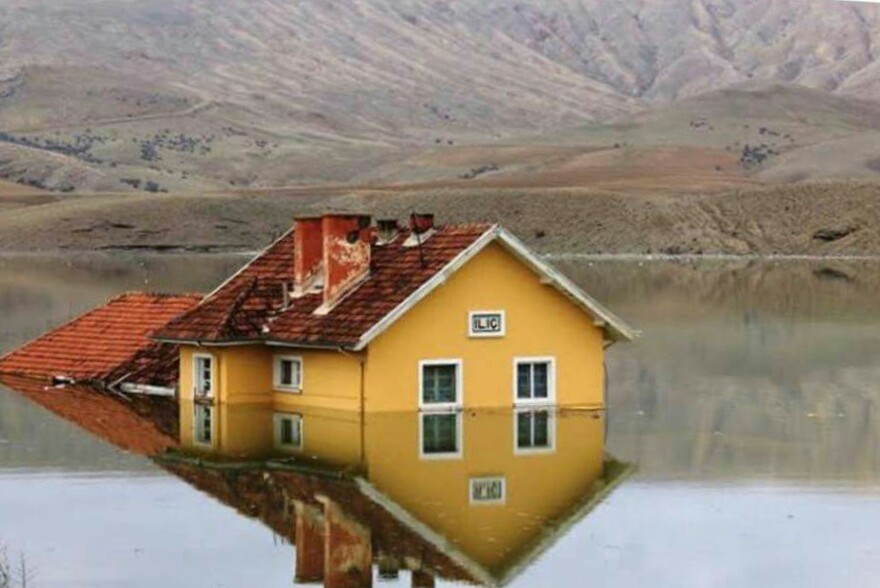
[(118, 95), (820, 219), (740, 136)]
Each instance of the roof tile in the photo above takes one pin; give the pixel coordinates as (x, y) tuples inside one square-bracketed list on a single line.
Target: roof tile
[(111, 340), (249, 306)]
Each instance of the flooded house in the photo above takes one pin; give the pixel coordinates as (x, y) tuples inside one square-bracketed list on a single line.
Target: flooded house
[(339, 314), (369, 497), (373, 490), (426, 400)]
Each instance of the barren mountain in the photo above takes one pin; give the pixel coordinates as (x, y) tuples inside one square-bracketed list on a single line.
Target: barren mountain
[(197, 94)]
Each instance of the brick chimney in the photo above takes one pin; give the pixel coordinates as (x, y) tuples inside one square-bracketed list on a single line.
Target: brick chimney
[(346, 255), (308, 253), (348, 548), (309, 538), (331, 252)]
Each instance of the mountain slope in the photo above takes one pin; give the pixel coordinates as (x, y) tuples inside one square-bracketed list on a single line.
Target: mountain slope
[(197, 94), (746, 134)]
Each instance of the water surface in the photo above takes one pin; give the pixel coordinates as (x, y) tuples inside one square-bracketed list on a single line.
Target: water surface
[(748, 406)]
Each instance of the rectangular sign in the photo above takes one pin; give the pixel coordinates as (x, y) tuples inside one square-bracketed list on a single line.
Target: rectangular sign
[(487, 490), (486, 323)]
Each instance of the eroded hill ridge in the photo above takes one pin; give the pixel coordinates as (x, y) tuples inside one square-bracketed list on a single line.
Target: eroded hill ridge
[(198, 95)]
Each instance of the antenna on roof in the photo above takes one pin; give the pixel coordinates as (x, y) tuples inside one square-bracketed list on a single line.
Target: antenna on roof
[(285, 296), (413, 223)]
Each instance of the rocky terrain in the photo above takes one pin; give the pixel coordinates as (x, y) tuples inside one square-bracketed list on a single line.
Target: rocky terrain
[(118, 95), (665, 126)]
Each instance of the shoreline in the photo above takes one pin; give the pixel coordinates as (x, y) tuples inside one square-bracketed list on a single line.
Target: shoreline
[(221, 251), (810, 221)]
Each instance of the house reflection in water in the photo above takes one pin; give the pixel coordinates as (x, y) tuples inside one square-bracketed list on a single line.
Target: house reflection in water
[(473, 496), (428, 399), (467, 496)]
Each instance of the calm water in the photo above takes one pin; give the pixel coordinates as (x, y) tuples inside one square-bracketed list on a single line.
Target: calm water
[(748, 407)]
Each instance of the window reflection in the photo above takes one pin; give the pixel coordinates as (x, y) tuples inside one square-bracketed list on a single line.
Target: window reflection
[(204, 420), (288, 431), (535, 430), (440, 434)]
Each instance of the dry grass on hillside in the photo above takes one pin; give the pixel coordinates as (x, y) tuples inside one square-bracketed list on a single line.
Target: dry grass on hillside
[(782, 220)]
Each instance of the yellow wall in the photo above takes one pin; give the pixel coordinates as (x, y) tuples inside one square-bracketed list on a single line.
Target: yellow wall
[(333, 437), (244, 398), (239, 430), (248, 432), (244, 375), (540, 486), (331, 380), (540, 322)]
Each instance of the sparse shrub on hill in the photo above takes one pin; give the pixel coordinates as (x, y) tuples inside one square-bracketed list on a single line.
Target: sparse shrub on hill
[(79, 146), (154, 187), (754, 156)]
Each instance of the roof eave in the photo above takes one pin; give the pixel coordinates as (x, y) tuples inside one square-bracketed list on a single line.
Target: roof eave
[(614, 328), (206, 343), (426, 288)]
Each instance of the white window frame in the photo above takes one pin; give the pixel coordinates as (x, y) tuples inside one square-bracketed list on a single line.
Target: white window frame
[(196, 439), (551, 432), (551, 382), (474, 335), (459, 384), (459, 434), (277, 419), (496, 502), (276, 373), (212, 393)]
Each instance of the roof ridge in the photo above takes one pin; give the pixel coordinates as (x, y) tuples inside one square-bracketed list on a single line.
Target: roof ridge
[(228, 324), (243, 268), (153, 294)]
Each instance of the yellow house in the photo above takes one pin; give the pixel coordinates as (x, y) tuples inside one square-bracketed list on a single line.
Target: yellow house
[(340, 314), (491, 490)]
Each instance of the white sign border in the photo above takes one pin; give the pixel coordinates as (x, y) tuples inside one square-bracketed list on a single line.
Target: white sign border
[(474, 335)]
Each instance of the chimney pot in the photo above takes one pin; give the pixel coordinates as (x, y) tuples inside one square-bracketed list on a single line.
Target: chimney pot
[(421, 223), (387, 229)]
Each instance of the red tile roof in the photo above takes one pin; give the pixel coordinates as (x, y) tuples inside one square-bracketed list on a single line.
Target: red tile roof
[(111, 340), (250, 305), (143, 425), (266, 493)]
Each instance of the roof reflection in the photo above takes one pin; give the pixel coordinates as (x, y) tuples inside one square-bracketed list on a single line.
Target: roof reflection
[(472, 496)]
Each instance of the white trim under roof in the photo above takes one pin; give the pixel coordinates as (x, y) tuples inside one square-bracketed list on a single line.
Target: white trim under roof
[(615, 328)]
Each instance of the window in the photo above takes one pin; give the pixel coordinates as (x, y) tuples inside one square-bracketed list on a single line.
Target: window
[(534, 380), (288, 431), (289, 373), (203, 429), (203, 377), (440, 434), (488, 490), (440, 383), (534, 431)]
